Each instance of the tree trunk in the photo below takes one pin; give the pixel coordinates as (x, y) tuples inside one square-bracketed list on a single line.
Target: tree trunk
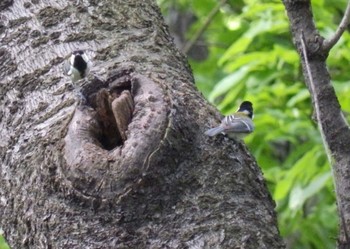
[(72, 176)]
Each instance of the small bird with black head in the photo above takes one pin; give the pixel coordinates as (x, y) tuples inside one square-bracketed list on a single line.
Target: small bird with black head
[(237, 125), (77, 66)]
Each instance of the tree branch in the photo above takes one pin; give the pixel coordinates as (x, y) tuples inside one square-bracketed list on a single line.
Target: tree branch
[(325, 143), (196, 36), (313, 91), (332, 124), (329, 43)]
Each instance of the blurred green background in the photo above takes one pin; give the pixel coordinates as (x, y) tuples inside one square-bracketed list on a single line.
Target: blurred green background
[(246, 53), (3, 244)]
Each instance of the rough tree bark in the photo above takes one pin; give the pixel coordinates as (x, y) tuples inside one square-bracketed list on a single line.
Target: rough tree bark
[(72, 177), (334, 129)]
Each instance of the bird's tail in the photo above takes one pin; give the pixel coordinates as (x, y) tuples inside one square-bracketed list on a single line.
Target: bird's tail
[(214, 131)]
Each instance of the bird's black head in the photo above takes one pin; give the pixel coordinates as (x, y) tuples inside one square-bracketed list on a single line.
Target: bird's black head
[(79, 62), (246, 107), (78, 52)]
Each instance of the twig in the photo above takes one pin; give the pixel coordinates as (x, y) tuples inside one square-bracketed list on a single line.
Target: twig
[(304, 50), (329, 43), (196, 36), (347, 241), (306, 59)]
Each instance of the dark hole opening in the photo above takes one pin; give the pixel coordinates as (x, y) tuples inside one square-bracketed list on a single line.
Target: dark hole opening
[(111, 122)]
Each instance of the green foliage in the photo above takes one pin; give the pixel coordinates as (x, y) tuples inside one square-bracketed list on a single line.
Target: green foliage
[(3, 244), (252, 57)]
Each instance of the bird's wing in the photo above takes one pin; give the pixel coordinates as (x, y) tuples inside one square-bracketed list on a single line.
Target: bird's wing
[(238, 125), (214, 131), (67, 68)]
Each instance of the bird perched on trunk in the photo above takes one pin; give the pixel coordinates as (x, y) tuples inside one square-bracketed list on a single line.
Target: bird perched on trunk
[(237, 125), (77, 66)]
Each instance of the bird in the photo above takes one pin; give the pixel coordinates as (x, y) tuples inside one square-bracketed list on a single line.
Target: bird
[(77, 66), (236, 125)]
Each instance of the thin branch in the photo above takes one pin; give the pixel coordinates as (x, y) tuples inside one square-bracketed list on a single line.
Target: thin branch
[(304, 50), (196, 36), (329, 43), (347, 241)]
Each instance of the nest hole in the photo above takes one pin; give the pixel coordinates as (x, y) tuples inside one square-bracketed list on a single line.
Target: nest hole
[(114, 106)]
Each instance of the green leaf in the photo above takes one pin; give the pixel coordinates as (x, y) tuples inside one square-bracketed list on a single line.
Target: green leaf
[(299, 195), (228, 82), (299, 97)]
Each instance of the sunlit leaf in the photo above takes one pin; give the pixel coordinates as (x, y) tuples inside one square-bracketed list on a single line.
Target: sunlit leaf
[(299, 195), (296, 198), (228, 82), (299, 97)]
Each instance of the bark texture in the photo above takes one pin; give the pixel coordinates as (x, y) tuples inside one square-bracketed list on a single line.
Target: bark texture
[(332, 124), (72, 176)]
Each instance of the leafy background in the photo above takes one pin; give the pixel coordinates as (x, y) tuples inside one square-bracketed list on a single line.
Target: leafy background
[(251, 56), (3, 244)]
